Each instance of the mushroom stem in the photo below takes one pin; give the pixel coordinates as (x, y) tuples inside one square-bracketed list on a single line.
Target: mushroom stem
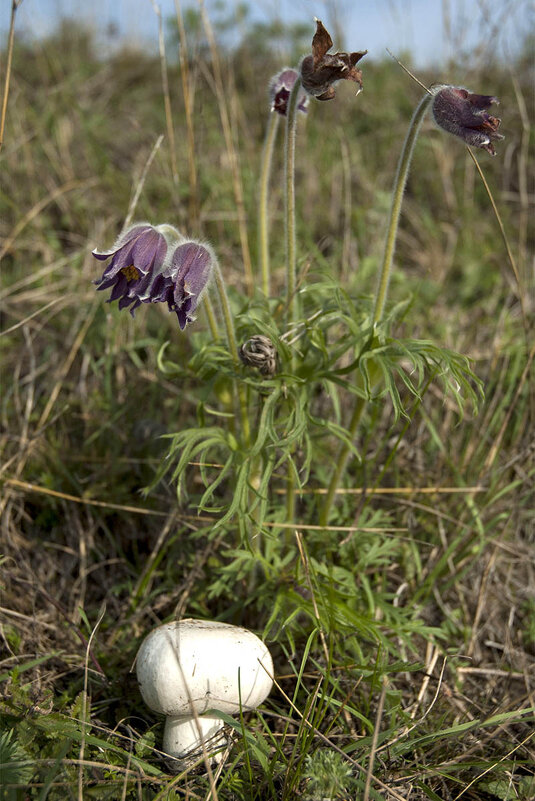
[(184, 735)]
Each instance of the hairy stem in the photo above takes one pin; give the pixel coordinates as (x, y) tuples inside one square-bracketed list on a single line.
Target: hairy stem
[(382, 288), (267, 157), (210, 316), (289, 152), (292, 311), (341, 462), (397, 199), (233, 348)]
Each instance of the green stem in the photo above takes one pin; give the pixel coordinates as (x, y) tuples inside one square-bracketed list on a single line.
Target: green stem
[(233, 348), (267, 158), (382, 288), (290, 503), (210, 316), (292, 310), (255, 532), (227, 314), (341, 461), (400, 182), (289, 151)]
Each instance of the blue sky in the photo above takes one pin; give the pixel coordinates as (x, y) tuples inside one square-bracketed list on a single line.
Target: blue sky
[(433, 30)]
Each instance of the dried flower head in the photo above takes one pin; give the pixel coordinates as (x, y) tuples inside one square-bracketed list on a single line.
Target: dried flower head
[(321, 70), (260, 352), (183, 280), (138, 254), (465, 115), (279, 91)]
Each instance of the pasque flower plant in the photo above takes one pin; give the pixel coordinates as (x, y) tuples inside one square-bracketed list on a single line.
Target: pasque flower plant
[(462, 114), (280, 90), (152, 264)]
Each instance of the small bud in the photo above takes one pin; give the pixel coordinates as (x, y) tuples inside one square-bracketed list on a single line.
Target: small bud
[(279, 91), (260, 352), (321, 70), (464, 115)]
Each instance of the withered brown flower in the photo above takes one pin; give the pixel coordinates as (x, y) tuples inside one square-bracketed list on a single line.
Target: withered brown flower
[(322, 69)]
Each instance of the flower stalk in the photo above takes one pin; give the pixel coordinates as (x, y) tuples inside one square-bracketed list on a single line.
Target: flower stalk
[(464, 115), (211, 317), (267, 158), (400, 182), (289, 150), (233, 348), (341, 462), (292, 311), (382, 288)]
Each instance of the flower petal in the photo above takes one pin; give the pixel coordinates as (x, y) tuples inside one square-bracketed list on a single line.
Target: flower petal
[(193, 263), (464, 114), (321, 43)]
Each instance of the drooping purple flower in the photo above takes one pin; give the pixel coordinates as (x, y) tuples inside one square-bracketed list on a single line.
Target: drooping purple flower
[(322, 69), (137, 256), (279, 91), (183, 280), (465, 115), (156, 264)]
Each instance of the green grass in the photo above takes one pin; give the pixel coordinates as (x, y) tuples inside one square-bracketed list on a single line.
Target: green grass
[(401, 630)]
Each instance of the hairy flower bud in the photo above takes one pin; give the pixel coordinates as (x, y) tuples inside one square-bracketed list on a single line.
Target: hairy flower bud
[(279, 91), (260, 352), (465, 115)]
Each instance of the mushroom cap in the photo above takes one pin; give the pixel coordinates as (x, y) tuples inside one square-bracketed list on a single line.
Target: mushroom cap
[(189, 666)]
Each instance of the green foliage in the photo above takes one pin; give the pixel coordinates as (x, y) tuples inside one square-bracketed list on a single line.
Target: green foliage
[(330, 353), (506, 789), (17, 767), (327, 775)]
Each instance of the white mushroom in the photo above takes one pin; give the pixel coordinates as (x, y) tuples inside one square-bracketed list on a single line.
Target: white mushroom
[(190, 666)]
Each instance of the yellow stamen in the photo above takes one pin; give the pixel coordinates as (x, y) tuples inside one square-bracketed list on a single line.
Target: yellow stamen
[(131, 273)]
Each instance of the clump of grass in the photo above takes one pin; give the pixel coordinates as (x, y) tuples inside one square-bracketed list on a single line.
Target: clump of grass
[(400, 623)]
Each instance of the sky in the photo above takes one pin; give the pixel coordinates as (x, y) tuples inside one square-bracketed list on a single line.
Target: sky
[(432, 30)]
